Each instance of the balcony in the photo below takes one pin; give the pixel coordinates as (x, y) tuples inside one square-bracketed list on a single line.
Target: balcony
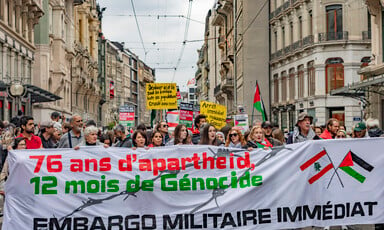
[(366, 35), (333, 36), (286, 4), (293, 2), (307, 41), (297, 45), (217, 90), (227, 85), (287, 49), (278, 11)]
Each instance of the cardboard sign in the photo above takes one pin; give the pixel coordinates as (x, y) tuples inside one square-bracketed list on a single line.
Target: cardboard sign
[(216, 113), (127, 115), (186, 114), (161, 95)]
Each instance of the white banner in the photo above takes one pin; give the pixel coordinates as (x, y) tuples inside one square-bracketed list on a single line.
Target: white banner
[(317, 183)]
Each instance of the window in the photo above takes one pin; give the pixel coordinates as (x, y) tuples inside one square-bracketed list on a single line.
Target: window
[(334, 74), (284, 86), (283, 36), (300, 78), (275, 41), (334, 22), (292, 84), (310, 21), (364, 62), (276, 88), (284, 118), (300, 28), (311, 79), (290, 32), (191, 90)]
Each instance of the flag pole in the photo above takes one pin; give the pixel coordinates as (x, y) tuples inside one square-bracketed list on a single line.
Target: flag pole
[(253, 106)]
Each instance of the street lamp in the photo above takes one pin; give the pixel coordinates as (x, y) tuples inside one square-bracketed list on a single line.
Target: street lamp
[(17, 90)]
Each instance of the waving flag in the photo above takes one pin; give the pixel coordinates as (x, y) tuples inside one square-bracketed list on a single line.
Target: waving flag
[(258, 103), (320, 164), (351, 163)]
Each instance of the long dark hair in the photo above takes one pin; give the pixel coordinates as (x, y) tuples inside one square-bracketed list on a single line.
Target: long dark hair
[(177, 135), (17, 141), (204, 138), (135, 135), (153, 134)]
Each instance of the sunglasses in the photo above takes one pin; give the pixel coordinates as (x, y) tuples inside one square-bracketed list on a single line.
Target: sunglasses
[(342, 136), (164, 126), (233, 135)]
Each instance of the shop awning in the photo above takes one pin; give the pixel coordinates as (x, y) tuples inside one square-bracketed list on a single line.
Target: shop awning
[(37, 94)]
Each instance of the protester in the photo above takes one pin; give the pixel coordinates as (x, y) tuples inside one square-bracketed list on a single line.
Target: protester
[(162, 127), (142, 127), (181, 136), (18, 144), (302, 131), (56, 136), (225, 130), (90, 123), (65, 128), (331, 129), (106, 139), (75, 135), (122, 139), (55, 117), (318, 130), (27, 131), (156, 139), (373, 127), (139, 139), (235, 139), (220, 136), (278, 134), (208, 136), (46, 134), (360, 130), (341, 134), (256, 139), (198, 122), (90, 137)]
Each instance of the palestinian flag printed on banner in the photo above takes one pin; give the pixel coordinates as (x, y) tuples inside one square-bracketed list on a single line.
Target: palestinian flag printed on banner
[(319, 165), (353, 165)]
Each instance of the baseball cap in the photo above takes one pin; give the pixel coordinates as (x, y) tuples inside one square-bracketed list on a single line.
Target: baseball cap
[(304, 115), (266, 124), (359, 127)]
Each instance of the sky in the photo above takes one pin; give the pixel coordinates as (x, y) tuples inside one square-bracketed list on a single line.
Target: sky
[(162, 36)]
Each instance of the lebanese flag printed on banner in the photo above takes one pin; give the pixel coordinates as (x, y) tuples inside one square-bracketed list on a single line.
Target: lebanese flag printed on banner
[(319, 165), (173, 118)]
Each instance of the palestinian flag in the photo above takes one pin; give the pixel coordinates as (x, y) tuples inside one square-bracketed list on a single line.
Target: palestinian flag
[(351, 163), (319, 165), (258, 103)]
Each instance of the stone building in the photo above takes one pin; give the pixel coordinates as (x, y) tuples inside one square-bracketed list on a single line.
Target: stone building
[(317, 47), (86, 89), (17, 50), (145, 75), (235, 55), (54, 58), (371, 85)]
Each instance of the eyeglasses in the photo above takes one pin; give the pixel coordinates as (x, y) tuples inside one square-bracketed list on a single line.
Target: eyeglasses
[(232, 135), (164, 126), (340, 136), (79, 121)]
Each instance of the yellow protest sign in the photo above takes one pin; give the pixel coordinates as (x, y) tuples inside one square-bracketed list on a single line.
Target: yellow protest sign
[(161, 95), (216, 113)]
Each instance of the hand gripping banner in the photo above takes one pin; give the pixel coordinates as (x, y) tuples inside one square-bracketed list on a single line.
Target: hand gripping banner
[(316, 183)]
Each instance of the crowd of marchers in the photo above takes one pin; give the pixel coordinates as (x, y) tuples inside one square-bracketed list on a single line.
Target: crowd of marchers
[(22, 132)]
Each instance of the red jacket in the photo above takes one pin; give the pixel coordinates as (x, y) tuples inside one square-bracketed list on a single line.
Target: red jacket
[(326, 135)]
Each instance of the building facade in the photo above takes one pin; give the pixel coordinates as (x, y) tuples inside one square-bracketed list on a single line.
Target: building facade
[(54, 38), (146, 75), (17, 52), (317, 47), (238, 58), (86, 89)]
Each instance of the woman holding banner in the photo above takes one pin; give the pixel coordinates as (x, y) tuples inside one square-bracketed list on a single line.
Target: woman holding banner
[(256, 139), (235, 139), (181, 136), (139, 139), (208, 136), (156, 139)]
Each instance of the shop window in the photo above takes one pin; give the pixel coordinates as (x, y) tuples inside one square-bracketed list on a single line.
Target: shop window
[(334, 74)]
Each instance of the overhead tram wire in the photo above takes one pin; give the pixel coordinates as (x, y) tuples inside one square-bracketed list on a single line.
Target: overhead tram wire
[(156, 16), (138, 28), (185, 39)]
